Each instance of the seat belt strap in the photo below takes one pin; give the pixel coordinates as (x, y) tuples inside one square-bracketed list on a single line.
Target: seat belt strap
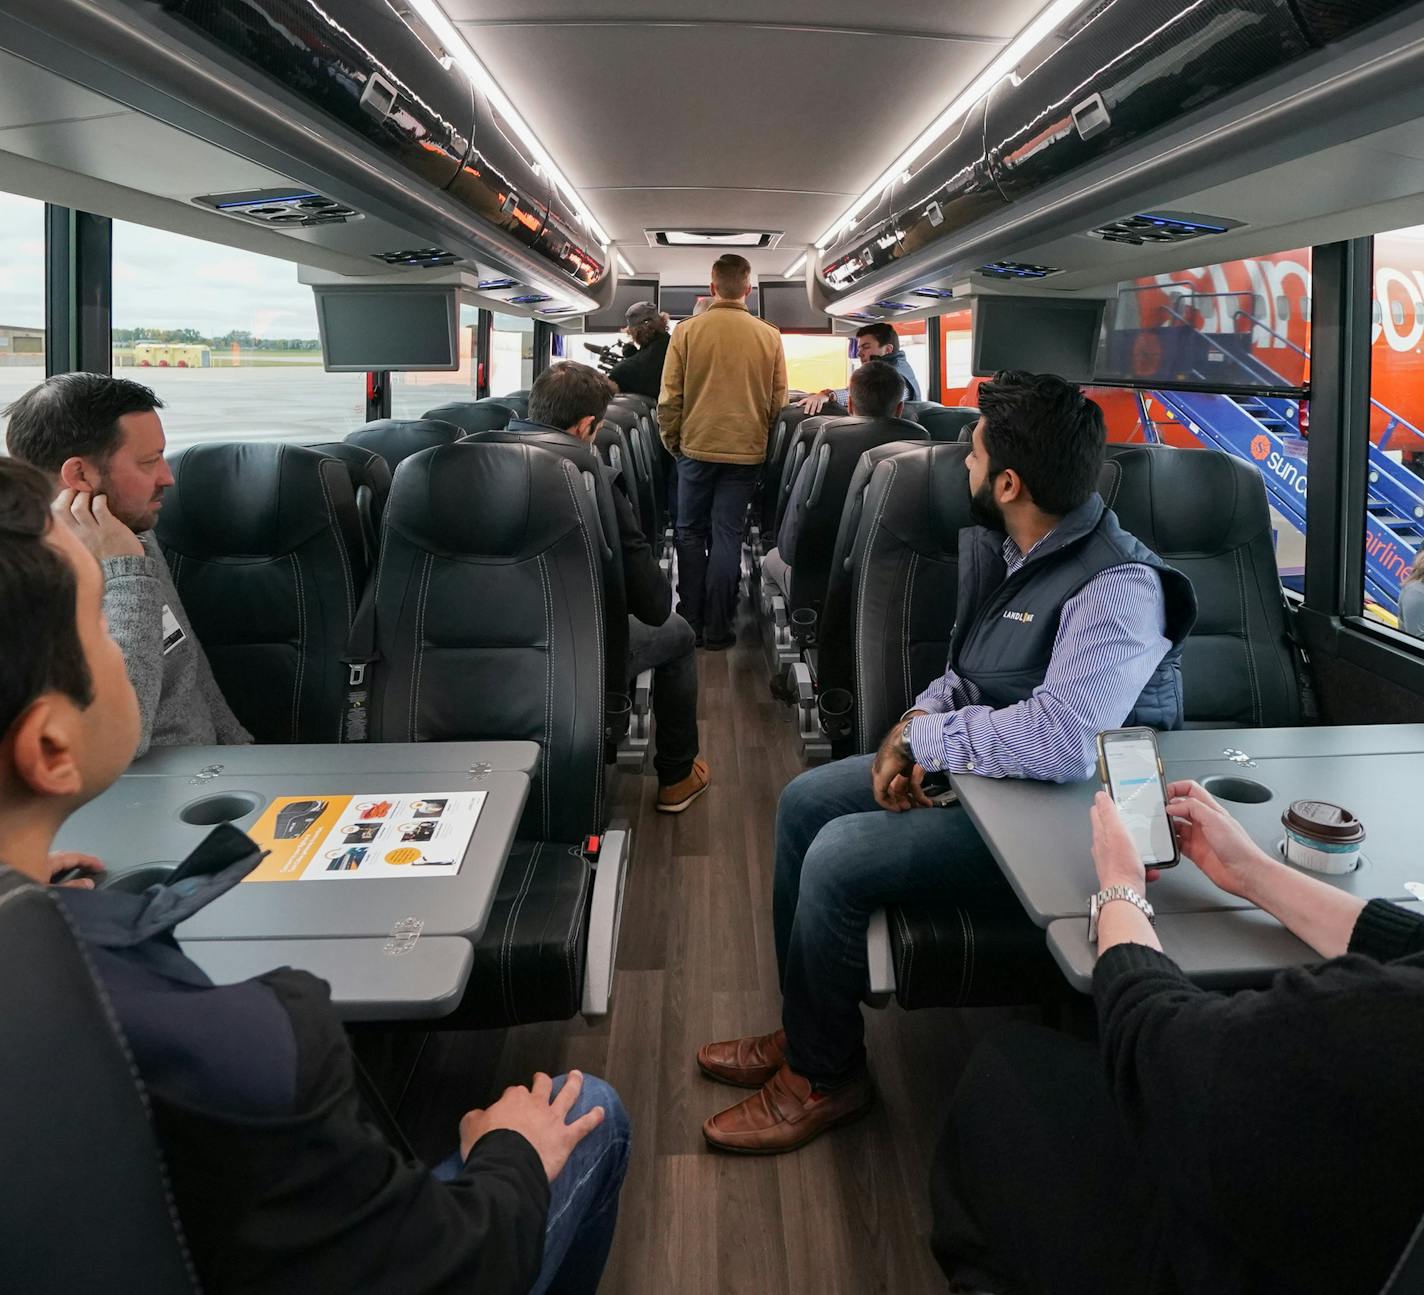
[(360, 658)]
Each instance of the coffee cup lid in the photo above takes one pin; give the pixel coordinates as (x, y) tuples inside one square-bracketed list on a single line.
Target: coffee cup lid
[(1324, 821)]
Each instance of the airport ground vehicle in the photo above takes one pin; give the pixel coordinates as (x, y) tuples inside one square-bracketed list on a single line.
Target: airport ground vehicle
[(176, 166)]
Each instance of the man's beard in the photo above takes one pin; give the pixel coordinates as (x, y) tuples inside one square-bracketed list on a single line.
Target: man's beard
[(984, 508)]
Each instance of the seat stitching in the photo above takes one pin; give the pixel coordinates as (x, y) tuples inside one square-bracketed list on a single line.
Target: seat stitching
[(905, 624), (907, 938), (507, 951), (1256, 710), (860, 602), (545, 750), (596, 582), (965, 938), (419, 649), (301, 645), (349, 582)]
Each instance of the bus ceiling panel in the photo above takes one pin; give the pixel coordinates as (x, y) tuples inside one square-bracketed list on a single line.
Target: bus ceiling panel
[(699, 107), (203, 81), (967, 20), (30, 96), (1372, 81)]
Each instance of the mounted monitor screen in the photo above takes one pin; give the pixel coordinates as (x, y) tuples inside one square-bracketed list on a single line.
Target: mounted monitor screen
[(628, 293), (1039, 334), (382, 328), (786, 306), (680, 302)]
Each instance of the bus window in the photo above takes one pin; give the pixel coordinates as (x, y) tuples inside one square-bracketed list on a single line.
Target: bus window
[(815, 362), (22, 298), (583, 348), (1394, 520), (511, 355), (956, 358), (413, 393), (227, 339), (915, 342)]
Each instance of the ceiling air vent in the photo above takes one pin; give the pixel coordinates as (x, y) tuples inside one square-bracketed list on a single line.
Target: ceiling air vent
[(713, 237), (861, 317), (281, 207), (893, 305), (496, 285), (530, 299), (1160, 227), (418, 258), (1008, 270), (935, 294)]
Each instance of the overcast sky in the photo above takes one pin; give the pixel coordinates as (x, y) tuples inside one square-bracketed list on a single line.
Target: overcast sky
[(160, 281)]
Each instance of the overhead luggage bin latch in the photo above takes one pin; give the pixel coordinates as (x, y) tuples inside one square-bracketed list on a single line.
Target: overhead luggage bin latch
[(1091, 117)]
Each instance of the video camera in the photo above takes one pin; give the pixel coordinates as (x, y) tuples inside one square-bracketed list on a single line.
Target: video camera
[(610, 355)]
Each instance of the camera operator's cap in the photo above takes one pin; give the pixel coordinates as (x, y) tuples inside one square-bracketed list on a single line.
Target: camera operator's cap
[(642, 312)]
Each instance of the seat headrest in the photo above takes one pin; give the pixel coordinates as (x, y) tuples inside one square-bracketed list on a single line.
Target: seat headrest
[(946, 423), (253, 499), (395, 439), (1184, 502), (914, 408), (473, 416), (862, 429), (487, 499), (563, 444), (367, 468)]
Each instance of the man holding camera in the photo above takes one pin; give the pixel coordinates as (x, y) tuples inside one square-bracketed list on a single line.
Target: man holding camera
[(641, 374)]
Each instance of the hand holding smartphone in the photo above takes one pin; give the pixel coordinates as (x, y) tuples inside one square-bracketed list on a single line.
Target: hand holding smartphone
[(1130, 767)]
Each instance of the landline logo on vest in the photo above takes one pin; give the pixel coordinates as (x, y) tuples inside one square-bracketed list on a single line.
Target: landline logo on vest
[(1024, 618)]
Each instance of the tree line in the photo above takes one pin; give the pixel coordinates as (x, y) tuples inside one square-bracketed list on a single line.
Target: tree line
[(192, 337)]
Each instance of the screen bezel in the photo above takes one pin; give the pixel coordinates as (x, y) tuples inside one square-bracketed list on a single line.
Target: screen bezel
[(1123, 737)]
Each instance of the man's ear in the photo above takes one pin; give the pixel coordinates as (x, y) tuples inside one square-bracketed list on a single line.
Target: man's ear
[(850, 404), (583, 429), (900, 410), (42, 749), (75, 474), (1011, 488)]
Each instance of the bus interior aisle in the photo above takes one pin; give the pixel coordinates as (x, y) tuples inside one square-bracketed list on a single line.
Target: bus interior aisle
[(696, 962)]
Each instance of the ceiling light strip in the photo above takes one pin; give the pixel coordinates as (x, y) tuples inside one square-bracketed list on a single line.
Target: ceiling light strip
[(459, 50), (1057, 12), (797, 266), (624, 267)]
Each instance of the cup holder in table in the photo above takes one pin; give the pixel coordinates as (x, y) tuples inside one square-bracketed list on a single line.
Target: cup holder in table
[(136, 880), (1243, 791), (220, 807)]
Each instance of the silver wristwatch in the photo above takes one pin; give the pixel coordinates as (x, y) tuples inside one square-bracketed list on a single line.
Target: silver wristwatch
[(1107, 895)]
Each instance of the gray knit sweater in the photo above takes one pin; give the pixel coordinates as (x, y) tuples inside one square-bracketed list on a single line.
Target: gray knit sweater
[(178, 699)]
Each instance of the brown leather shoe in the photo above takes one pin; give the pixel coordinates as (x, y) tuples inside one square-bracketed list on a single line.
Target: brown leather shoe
[(744, 1063), (786, 1114), (676, 797)]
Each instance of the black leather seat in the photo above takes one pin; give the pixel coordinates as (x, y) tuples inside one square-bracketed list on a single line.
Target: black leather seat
[(518, 401), (611, 442), (826, 474), (643, 486), (835, 663), (949, 423), (915, 408), (396, 439), (264, 542), (798, 446), (371, 480), (473, 415), (767, 503), (70, 1098), (464, 538), (595, 479)]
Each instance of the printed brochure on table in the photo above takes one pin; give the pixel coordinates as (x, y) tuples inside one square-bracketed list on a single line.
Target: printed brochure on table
[(373, 835)]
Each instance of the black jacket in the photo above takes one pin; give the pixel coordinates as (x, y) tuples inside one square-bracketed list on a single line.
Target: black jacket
[(642, 372), (647, 591), (1278, 1124), (283, 1179)]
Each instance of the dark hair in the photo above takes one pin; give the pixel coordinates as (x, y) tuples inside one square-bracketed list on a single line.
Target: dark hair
[(731, 275), (644, 333), (882, 333), (876, 388), (566, 392), (1048, 431), (39, 620), (73, 414)]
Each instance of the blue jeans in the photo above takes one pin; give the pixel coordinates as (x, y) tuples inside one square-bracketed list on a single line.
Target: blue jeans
[(583, 1199), (669, 651), (712, 501), (839, 857)]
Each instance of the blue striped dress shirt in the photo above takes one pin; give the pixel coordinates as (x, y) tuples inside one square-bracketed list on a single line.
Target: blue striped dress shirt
[(1110, 639)]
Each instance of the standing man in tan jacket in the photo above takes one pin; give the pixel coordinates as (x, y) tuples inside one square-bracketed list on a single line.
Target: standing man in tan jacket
[(724, 380)]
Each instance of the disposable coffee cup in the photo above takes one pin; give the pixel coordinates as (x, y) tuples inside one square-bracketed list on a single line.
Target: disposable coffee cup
[(1321, 836)]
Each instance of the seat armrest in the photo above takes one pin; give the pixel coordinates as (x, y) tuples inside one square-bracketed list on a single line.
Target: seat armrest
[(881, 960), (605, 916)]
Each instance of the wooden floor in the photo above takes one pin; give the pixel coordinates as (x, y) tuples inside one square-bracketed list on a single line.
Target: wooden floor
[(848, 1213)]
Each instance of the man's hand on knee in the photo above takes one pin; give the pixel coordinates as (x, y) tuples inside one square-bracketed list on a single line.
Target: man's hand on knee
[(895, 778)]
